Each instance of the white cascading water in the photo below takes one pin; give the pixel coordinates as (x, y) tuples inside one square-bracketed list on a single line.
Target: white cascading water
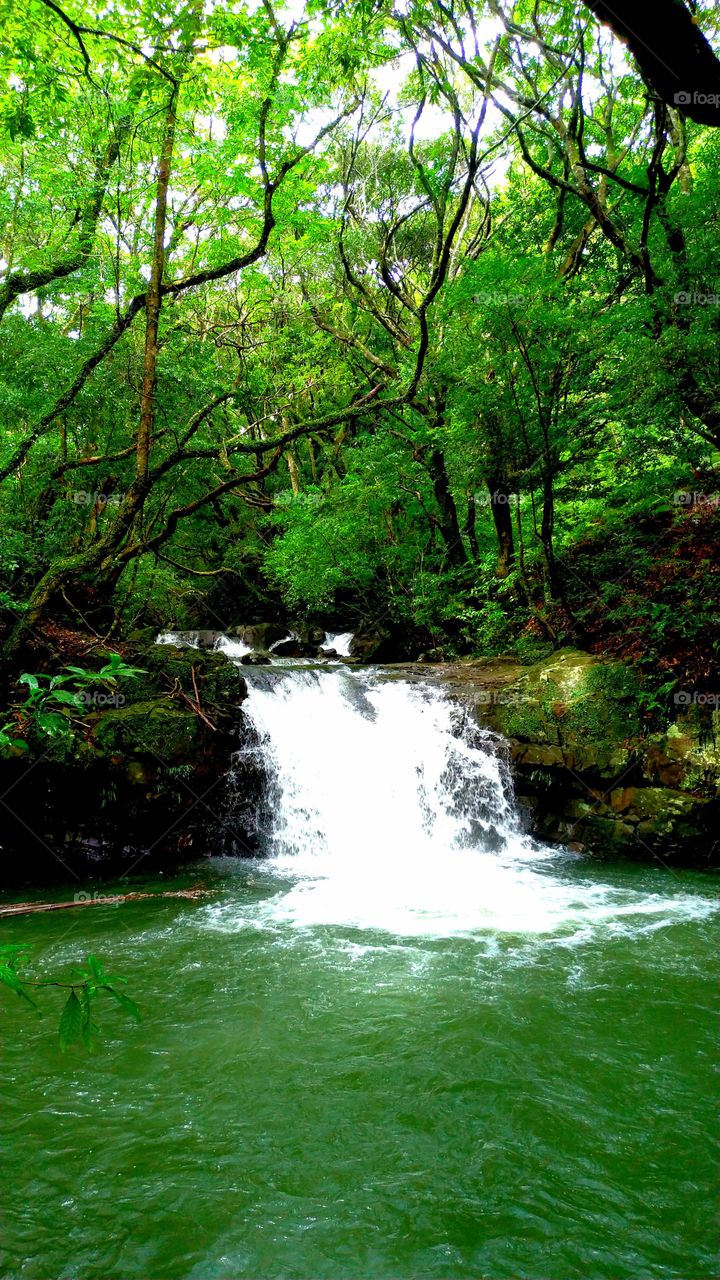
[(233, 647), (340, 641), (390, 809), (228, 645), (181, 639)]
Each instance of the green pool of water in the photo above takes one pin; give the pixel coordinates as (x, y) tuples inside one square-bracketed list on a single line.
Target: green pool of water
[(335, 1101)]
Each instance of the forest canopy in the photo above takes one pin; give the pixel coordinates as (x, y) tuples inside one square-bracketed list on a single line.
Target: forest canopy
[(359, 313)]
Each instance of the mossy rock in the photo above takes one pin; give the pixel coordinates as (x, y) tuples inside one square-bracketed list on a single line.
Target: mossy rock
[(607, 836), (148, 729), (666, 808), (572, 699), (167, 670), (143, 635), (688, 755)]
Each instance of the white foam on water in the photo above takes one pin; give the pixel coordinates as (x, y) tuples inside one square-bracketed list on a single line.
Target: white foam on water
[(184, 639), (191, 640), (340, 641), (233, 647), (392, 810)]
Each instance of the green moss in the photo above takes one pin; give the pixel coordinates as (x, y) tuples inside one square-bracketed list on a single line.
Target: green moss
[(665, 807), (147, 728), (572, 698), (606, 708), (608, 835), (220, 684)]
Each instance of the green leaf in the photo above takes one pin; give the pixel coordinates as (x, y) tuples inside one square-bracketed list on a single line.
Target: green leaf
[(19, 123), (71, 1021), (52, 723), (96, 968), (10, 978), (126, 1003), (117, 667), (8, 975), (67, 699), (89, 1028)]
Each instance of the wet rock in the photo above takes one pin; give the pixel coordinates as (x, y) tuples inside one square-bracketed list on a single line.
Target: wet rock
[(608, 836), (147, 729), (261, 635), (127, 790), (377, 644), (432, 655), (309, 635), (622, 799), (168, 670), (257, 658), (586, 770), (293, 648), (198, 639)]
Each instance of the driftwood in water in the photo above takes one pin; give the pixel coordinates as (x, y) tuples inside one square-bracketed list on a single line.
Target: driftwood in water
[(99, 900)]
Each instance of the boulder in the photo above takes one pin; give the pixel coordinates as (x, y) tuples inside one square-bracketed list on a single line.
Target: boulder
[(293, 648), (198, 639), (587, 770), (126, 791), (261, 635), (375, 644), (168, 668), (309, 635), (256, 658)]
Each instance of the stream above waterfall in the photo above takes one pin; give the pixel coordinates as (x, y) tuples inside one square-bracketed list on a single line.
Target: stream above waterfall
[(403, 1040)]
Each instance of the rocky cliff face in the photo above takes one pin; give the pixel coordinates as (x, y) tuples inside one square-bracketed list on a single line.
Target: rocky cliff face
[(140, 785), (590, 775)]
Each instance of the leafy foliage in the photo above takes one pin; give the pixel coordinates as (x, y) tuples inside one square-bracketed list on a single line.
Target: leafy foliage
[(54, 702), (432, 336), (86, 985)]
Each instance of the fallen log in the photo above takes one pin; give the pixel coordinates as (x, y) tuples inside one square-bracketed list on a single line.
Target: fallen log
[(82, 899)]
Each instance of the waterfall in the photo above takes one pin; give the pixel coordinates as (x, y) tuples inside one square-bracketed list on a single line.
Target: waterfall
[(229, 645), (340, 641), (386, 806), (365, 768), (232, 647)]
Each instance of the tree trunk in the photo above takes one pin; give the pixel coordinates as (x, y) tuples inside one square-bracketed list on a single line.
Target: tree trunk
[(470, 529), (547, 528), (99, 557), (294, 474), (153, 301), (502, 519), (448, 522)]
